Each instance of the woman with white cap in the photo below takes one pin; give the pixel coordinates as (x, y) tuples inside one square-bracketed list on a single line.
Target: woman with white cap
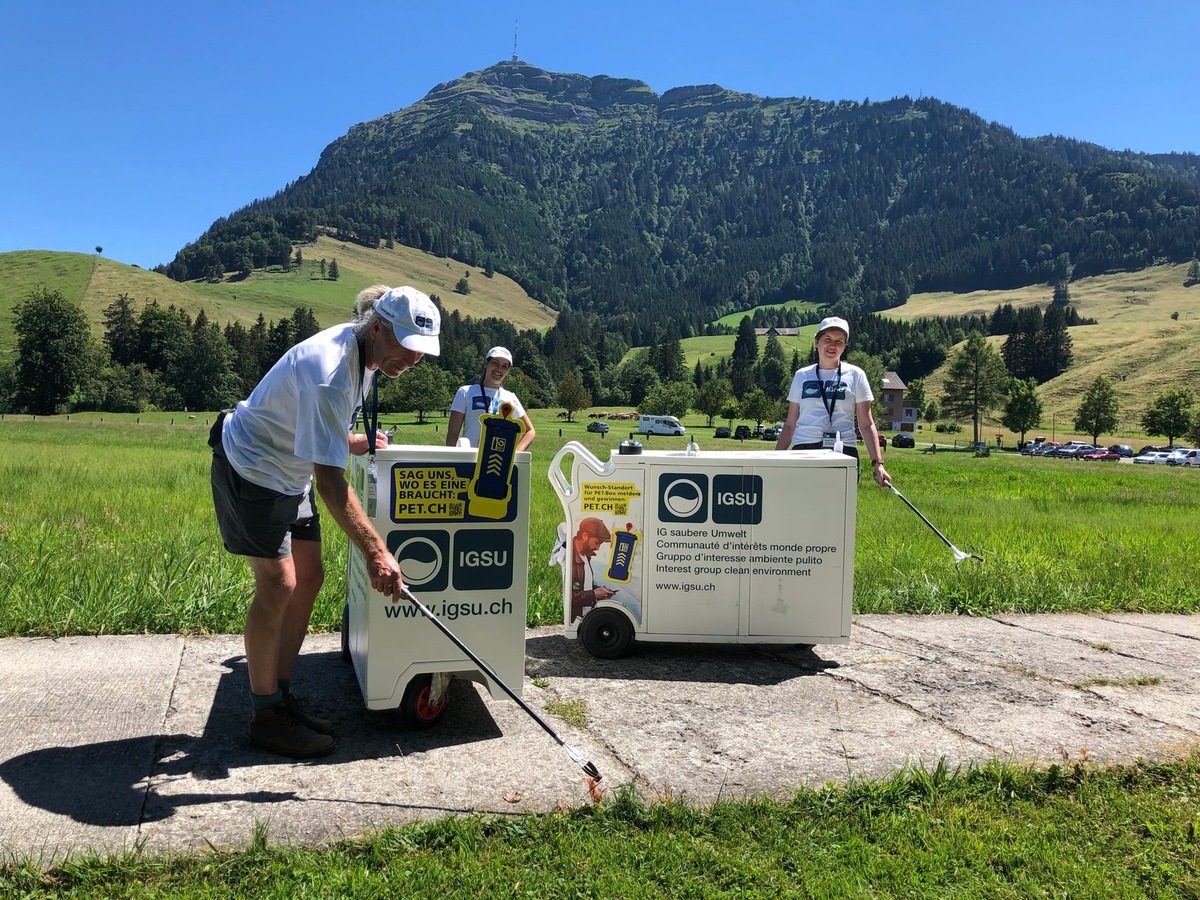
[(475, 400), (825, 400)]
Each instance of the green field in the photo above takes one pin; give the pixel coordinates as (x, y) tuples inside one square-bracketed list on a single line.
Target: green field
[(734, 319), (108, 528)]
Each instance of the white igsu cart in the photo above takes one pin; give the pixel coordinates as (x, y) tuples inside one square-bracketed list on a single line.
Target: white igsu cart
[(458, 523), (732, 547)]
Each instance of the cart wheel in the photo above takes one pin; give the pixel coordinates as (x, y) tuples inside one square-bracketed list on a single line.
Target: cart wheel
[(606, 633), (346, 633), (415, 708)]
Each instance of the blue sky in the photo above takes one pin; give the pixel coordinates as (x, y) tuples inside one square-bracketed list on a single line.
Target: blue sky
[(134, 125)]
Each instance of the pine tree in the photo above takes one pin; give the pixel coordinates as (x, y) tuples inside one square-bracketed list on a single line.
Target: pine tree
[(121, 330), (745, 355), (975, 382)]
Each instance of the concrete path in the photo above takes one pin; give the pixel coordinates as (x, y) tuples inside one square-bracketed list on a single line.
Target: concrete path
[(115, 742)]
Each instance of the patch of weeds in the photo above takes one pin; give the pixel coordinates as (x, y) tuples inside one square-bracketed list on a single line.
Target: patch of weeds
[(1133, 681), (573, 712)]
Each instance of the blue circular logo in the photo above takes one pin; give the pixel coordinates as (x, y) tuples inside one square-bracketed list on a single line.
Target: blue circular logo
[(420, 559), (683, 497)]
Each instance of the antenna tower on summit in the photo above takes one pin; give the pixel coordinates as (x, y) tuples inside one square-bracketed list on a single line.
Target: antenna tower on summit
[(515, 57)]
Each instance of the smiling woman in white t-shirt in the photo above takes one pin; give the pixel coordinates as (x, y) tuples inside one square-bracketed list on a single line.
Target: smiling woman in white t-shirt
[(827, 398), (486, 397)]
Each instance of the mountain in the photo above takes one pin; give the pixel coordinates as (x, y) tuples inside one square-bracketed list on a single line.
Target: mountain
[(600, 195)]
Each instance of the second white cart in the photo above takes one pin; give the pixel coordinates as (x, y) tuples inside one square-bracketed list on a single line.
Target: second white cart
[(732, 547)]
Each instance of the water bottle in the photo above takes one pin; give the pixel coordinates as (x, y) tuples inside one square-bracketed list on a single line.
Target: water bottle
[(693, 449)]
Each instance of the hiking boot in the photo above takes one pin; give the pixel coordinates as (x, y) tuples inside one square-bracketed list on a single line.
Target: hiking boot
[(276, 729), (313, 723)]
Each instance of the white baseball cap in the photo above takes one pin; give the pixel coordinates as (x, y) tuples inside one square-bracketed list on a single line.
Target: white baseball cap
[(499, 353), (833, 322), (414, 318)]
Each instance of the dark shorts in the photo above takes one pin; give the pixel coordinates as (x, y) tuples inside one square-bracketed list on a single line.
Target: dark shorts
[(254, 520)]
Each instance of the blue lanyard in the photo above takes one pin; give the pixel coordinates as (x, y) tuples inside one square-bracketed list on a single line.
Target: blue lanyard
[(829, 401), (492, 405), (370, 420)]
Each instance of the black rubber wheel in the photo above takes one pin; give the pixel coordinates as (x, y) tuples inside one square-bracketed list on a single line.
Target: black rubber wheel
[(606, 633), (415, 709), (346, 633)]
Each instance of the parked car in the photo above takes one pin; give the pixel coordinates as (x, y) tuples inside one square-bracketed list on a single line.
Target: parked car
[(1191, 458), (1177, 456), (1154, 457), (771, 433), (742, 433), (1045, 448), (1152, 448), (758, 429), (904, 440), (1102, 456), (1075, 449), (598, 427), (722, 431), (1122, 449)]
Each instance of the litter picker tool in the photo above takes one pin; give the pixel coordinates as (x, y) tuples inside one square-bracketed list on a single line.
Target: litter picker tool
[(959, 556), (589, 768)]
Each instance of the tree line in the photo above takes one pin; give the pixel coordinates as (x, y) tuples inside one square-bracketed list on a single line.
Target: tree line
[(161, 358)]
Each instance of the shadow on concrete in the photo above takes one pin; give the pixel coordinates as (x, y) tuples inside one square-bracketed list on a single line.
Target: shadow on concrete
[(111, 783), (760, 664)]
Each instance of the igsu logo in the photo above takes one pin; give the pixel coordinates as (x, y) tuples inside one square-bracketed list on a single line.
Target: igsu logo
[(734, 499), (737, 499), (483, 560), (682, 498), (423, 557), (475, 558)]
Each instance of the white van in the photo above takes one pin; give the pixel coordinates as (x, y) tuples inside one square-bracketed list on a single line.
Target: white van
[(660, 425), (1190, 458)]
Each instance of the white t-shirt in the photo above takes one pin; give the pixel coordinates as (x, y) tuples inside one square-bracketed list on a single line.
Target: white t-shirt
[(473, 400), (815, 389), (300, 414)]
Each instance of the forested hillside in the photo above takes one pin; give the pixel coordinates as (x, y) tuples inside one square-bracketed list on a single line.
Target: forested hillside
[(599, 195)]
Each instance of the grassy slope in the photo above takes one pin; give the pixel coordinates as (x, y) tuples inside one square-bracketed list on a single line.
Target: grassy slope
[(1136, 343), (95, 282)]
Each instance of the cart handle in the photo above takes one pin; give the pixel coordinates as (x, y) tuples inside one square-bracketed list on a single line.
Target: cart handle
[(564, 487)]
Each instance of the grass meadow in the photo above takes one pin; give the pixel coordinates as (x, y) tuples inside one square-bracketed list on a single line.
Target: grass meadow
[(106, 526)]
